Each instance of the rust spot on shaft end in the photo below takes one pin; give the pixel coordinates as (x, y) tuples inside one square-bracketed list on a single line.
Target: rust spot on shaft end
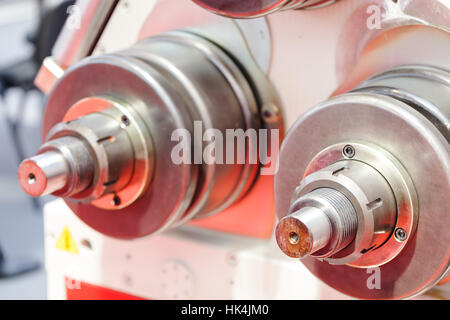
[(294, 238)]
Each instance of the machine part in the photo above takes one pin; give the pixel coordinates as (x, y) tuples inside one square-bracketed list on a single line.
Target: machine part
[(254, 8), (254, 50), (80, 33), (339, 38), (355, 196), (50, 172), (150, 18), (123, 110), (247, 41), (238, 267), (372, 199), (376, 23), (48, 74), (99, 154), (399, 206), (169, 265), (255, 34), (324, 221)]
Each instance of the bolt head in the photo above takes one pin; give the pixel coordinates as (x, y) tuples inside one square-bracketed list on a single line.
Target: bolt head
[(349, 151), (270, 113), (401, 234)]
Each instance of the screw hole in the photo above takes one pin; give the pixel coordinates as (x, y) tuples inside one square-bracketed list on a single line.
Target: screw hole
[(400, 234), (270, 113), (86, 243), (125, 120), (294, 238), (116, 201), (349, 151), (31, 179)]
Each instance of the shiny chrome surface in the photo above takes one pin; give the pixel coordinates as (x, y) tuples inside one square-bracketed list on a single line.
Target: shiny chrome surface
[(254, 8), (323, 222), (374, 117), (78, 41), (153, 88), (364, 203), (375, 112), (44, 174)]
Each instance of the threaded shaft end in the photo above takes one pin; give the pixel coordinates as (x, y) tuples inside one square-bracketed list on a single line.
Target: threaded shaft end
[(324, 221), (346, 215)]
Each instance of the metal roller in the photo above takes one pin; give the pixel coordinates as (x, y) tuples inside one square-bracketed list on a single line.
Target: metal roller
[(109, 135), (364, 181), (257, 8)]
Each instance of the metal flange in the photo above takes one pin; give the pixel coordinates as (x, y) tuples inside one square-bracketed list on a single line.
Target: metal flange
[(153, 88), (368, 251), (421, 152)]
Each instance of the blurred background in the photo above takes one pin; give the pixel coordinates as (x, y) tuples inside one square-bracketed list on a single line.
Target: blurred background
[(28, 30)]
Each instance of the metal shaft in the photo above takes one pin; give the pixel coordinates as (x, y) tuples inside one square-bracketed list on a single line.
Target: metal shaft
[(323, 222), (44, 174), (64, 166), (305, 232)]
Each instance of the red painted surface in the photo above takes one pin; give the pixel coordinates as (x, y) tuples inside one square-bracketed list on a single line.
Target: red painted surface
[(446, 280), (253, 216), (76, 290)]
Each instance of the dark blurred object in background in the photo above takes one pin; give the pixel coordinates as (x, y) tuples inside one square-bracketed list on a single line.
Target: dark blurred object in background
[(20, 74)]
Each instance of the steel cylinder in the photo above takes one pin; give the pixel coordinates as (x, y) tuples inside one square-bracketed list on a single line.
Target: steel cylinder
[(385, 147), (257, 8), (154, 120)]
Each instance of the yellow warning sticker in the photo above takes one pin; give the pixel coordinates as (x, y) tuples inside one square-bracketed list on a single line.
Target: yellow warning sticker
[(66, 242)]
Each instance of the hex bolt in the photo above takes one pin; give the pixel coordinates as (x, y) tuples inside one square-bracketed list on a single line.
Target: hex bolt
[(270, 113), (349, 151), (401, 235)]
